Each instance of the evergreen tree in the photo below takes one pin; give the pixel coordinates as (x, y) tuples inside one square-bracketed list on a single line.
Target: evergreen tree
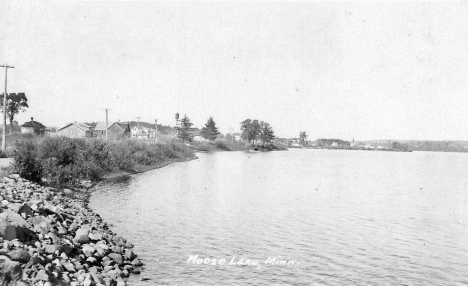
[(210, 131), (184, 130), (303, 138)]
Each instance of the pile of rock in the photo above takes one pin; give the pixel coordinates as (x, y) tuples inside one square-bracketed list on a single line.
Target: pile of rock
[(50, 237)]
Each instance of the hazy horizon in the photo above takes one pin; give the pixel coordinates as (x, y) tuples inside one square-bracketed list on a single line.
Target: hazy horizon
[(344, 70)]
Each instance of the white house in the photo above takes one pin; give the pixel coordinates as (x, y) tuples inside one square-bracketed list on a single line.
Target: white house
[(237, 137), (139, 132), (197, 136)]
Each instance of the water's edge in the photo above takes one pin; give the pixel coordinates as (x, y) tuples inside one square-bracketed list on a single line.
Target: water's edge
[(123, 176)]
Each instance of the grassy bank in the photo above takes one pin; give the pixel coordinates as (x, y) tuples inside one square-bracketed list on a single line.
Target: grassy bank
[(67, 161)]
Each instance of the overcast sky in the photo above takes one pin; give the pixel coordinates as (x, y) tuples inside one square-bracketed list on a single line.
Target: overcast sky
[(362, 71)]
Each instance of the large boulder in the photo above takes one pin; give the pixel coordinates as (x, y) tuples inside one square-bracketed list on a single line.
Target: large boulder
[(51, 248), (88, 250), (116, 257), (118, 240), (51, 208), (25, 210), (42, 275), (67, 191), (23, 234), (74, 226), (14, 207), (19, 255), (67, 249), (129, 254), (81, 235), (15, 218), (14, 232), (70, 267), (136, 262)]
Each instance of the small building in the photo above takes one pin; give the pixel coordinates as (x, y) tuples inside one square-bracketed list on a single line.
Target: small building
[(197, 136), (152, 133), (237, 137), (76, 130), (35, 127), (114, 129), (334, 144)]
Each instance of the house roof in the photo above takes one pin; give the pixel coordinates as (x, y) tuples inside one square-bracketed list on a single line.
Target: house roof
[(82, 126), (33, 123), (123, 125), (102, 125), (141, 128)]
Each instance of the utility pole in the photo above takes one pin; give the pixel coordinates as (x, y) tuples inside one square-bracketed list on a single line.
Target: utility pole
[(107, 122), (232, 134), (4, 106), (156, 134), (138, 126)]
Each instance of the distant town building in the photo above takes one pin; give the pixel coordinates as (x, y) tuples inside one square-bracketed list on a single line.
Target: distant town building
[(237, 137), (197, 136), (35, 127), (140, 132), (76, 130), (115, 129)]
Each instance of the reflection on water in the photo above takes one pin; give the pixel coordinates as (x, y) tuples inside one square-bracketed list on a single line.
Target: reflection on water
[(342, 218)]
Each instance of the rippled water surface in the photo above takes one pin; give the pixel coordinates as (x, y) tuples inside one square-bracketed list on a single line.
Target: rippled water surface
[(342, 218)]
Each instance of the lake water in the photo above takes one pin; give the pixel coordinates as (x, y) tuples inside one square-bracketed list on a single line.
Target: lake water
[(337, 217)]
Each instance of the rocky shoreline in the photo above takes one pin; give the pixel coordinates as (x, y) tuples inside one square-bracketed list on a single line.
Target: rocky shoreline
[(49, 236)]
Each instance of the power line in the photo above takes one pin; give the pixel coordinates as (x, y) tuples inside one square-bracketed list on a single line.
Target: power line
[(4, 106)]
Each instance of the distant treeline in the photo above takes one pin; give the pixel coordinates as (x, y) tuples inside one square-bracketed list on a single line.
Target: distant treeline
[(441, 146)]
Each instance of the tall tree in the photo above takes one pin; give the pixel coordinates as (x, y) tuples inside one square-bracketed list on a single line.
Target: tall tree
[(184, 129), (266, 132), (210, 131), (15, 102), (245, 126), (250, 130)]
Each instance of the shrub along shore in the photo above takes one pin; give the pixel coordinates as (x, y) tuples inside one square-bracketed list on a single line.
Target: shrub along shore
[(65, 161), (48, 235)]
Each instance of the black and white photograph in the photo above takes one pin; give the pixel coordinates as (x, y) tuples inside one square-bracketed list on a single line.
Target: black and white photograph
[(150, 143)]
